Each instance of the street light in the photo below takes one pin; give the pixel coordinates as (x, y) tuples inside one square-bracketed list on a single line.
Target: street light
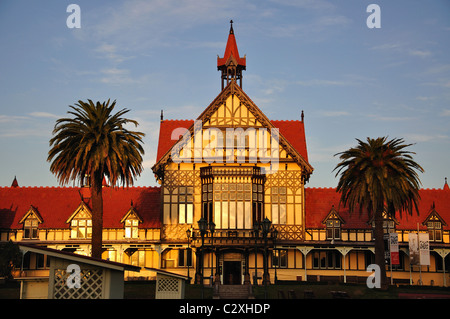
[(212, 228), (188, 261), (265, 229), (275, 235), (256, 227), (202, 225)]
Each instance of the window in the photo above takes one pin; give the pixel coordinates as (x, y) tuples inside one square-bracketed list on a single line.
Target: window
[(258, 202), (279, 258), (81, 228), (388, 224), (30, 228), (278, 199), (333, 229), (178, 205), (232, 205), (435, 230), (326, 259), (184, 258), (131, 228), (185, 204)]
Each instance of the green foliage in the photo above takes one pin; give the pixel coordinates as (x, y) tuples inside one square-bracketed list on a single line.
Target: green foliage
[(96, 142), (10, 258), (377, 175)]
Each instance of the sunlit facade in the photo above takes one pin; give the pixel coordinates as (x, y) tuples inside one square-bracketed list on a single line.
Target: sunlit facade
[(232, 206)]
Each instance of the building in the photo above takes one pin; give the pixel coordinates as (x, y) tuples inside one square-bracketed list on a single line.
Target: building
[(232, 206)]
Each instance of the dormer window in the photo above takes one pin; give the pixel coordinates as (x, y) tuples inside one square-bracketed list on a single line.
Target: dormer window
[(435, 230), (81, 228), (434, 224), (81, 223), (333, 224), (388, 223), (333, 229), (30, 228), (131, 222), (30, 223)]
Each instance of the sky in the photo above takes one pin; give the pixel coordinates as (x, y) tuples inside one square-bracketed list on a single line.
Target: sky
[(319, 56)]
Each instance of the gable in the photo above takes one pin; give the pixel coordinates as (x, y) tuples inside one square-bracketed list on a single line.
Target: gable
[(32, 213), (232, 109), (82, 212)]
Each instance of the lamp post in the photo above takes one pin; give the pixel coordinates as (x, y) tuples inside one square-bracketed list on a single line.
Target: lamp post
[(265, 230), (202, 225), (275, 235), (256, 226), (188, 260), (212, 228)]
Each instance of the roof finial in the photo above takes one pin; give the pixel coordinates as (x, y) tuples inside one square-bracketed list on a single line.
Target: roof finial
[(231, 27), (162, 116), (303, 116), (446, 185), (15, 183)]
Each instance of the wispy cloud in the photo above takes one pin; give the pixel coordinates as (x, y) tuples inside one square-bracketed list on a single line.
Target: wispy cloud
[(420, 53), (445, 112), (334, 113), (44, 115)]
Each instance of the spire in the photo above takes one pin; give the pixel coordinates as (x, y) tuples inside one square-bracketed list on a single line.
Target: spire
[(15, 183), (231, 65), (446, 185)]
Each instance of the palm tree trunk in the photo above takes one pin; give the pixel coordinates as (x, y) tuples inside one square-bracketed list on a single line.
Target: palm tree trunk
[(379, 248), (97, 215)]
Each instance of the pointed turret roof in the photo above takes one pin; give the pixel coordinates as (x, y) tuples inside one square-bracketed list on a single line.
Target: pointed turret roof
[(15, 183), (231, 51)]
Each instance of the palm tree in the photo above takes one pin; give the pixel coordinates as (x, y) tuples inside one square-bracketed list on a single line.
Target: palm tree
[(96, 144), (379, 176)]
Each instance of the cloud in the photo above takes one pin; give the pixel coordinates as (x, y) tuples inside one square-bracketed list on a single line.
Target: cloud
[(420, 53), (44, 115), (334, 113), (445, 112)]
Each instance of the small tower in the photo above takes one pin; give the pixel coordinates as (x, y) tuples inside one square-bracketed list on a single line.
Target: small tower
[(231, 65), (15, 183)]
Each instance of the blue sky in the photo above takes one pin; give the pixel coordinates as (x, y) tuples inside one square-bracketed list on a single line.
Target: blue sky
[(313, 55)]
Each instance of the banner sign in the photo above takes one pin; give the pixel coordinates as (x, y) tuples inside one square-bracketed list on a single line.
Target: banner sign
[(414, 256), (424, 248), (419, 249), (393, 245)]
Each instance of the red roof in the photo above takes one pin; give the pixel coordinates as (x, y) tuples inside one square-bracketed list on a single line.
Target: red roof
[(320, 201), (293, 131), (231, 50), (56, 204)]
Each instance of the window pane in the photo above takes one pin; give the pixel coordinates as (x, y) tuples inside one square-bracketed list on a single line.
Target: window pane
[(217, 215), (232, 215), (224, 214), (275, 214), (248, 215), (282, 214), (240, 215), (181, 214), (189, 213)]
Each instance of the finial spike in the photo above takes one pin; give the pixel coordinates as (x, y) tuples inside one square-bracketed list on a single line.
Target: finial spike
[(162, 116), (303, 116)]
